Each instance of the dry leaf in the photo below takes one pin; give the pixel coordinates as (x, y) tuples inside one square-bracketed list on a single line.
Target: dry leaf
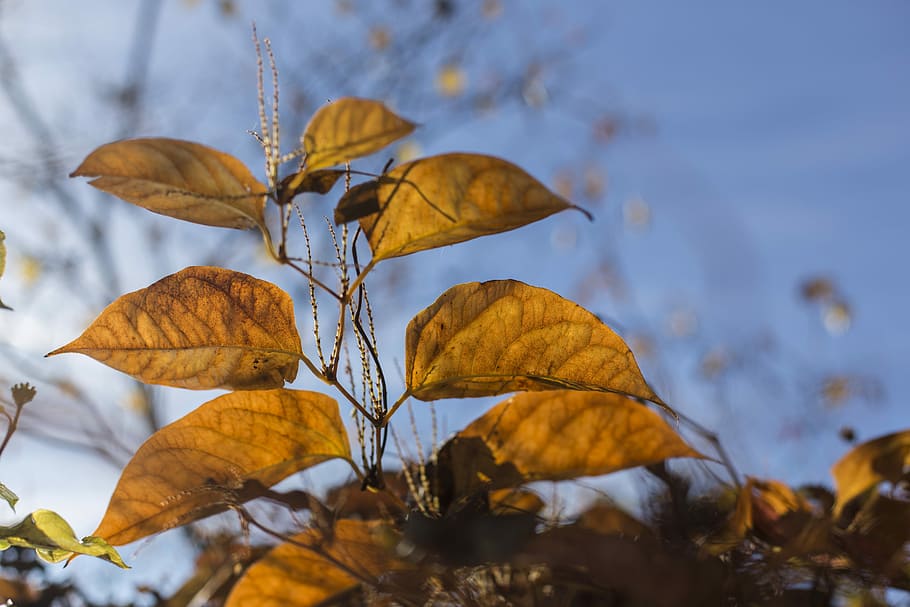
[(54, 540), (195, 466), (320, 182), (180, 179), (294, 576), (201, 328), (608, 519), (349, 128), (566, 434), (483, 339), (442, 200), (884, 459)]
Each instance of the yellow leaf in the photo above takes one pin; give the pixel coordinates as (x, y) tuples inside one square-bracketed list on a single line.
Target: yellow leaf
[(179, 179), (442, 200), (227, 449), (201, 328), (483, 339), (608, 519), (349, 128), (884, 459), (3, 266), (565, 434), (53, 539), (294, 576)]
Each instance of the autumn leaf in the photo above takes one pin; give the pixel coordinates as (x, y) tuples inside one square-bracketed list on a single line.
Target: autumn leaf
[(54, 540), (443, 200), (884, 459), (179, 179), (197, 465), (3, 266), (484, 339), (314, 568), (318, 182), (608, 519), (201, 328), (565, 434), (349, 128)]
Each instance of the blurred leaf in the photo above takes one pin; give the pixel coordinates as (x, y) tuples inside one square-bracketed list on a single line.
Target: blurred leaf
[(565, 434), (883, 459), (349, 128), (320, 181), (314, 568), (483, 339), (180, 179), (201, 328), (818, 288), (515, 501), (451, 80), (609, 519), (442, 200), (380, 38), (3, 265), (54, 540), (227, 449), (8, 496), (878, 534), (836, 317)]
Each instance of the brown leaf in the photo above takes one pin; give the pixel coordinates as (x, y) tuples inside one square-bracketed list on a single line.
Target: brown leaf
[(319, 182), (883, 459), (201, 328), (292, 575), (349, 128), (197, 465), (442, 200), (179, 179), (359, 201), (565, 434), (515, 501), (609, 519), (483, 339)]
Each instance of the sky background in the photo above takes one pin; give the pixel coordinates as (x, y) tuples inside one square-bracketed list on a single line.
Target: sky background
[(769, 142)]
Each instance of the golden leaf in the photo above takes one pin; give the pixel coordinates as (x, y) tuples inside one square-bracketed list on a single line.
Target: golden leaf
[(292, 575), (565, 434), (483, 339), (609, 519), (179, 179), (349, 128), (201, 328), (884, 459), (227, 449), (442, 200)]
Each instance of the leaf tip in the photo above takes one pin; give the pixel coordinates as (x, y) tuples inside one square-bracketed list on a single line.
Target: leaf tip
[(588, 214)]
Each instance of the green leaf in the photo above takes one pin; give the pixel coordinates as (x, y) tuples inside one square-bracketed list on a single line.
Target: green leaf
[(10, 497), (54, 540)]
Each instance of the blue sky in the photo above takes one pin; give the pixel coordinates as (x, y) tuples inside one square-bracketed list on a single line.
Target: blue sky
[(779, 151)]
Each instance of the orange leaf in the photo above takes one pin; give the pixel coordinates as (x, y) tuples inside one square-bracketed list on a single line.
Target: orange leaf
[(292, 575), (179, 179), (443, 200), (566, 434), (195, 466), (349, 128), (884, 459), (483, 339), (201, 328)]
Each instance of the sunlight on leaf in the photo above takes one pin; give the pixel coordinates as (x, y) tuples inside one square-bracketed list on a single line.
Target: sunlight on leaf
[(608, 519), (201, 328), (884, 459), (349, 128), (7, 495), (3, 265), (483, 339), (566, 434), (54, 540), (443, 200), (179, 179), (227, 449), (294, 576)]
